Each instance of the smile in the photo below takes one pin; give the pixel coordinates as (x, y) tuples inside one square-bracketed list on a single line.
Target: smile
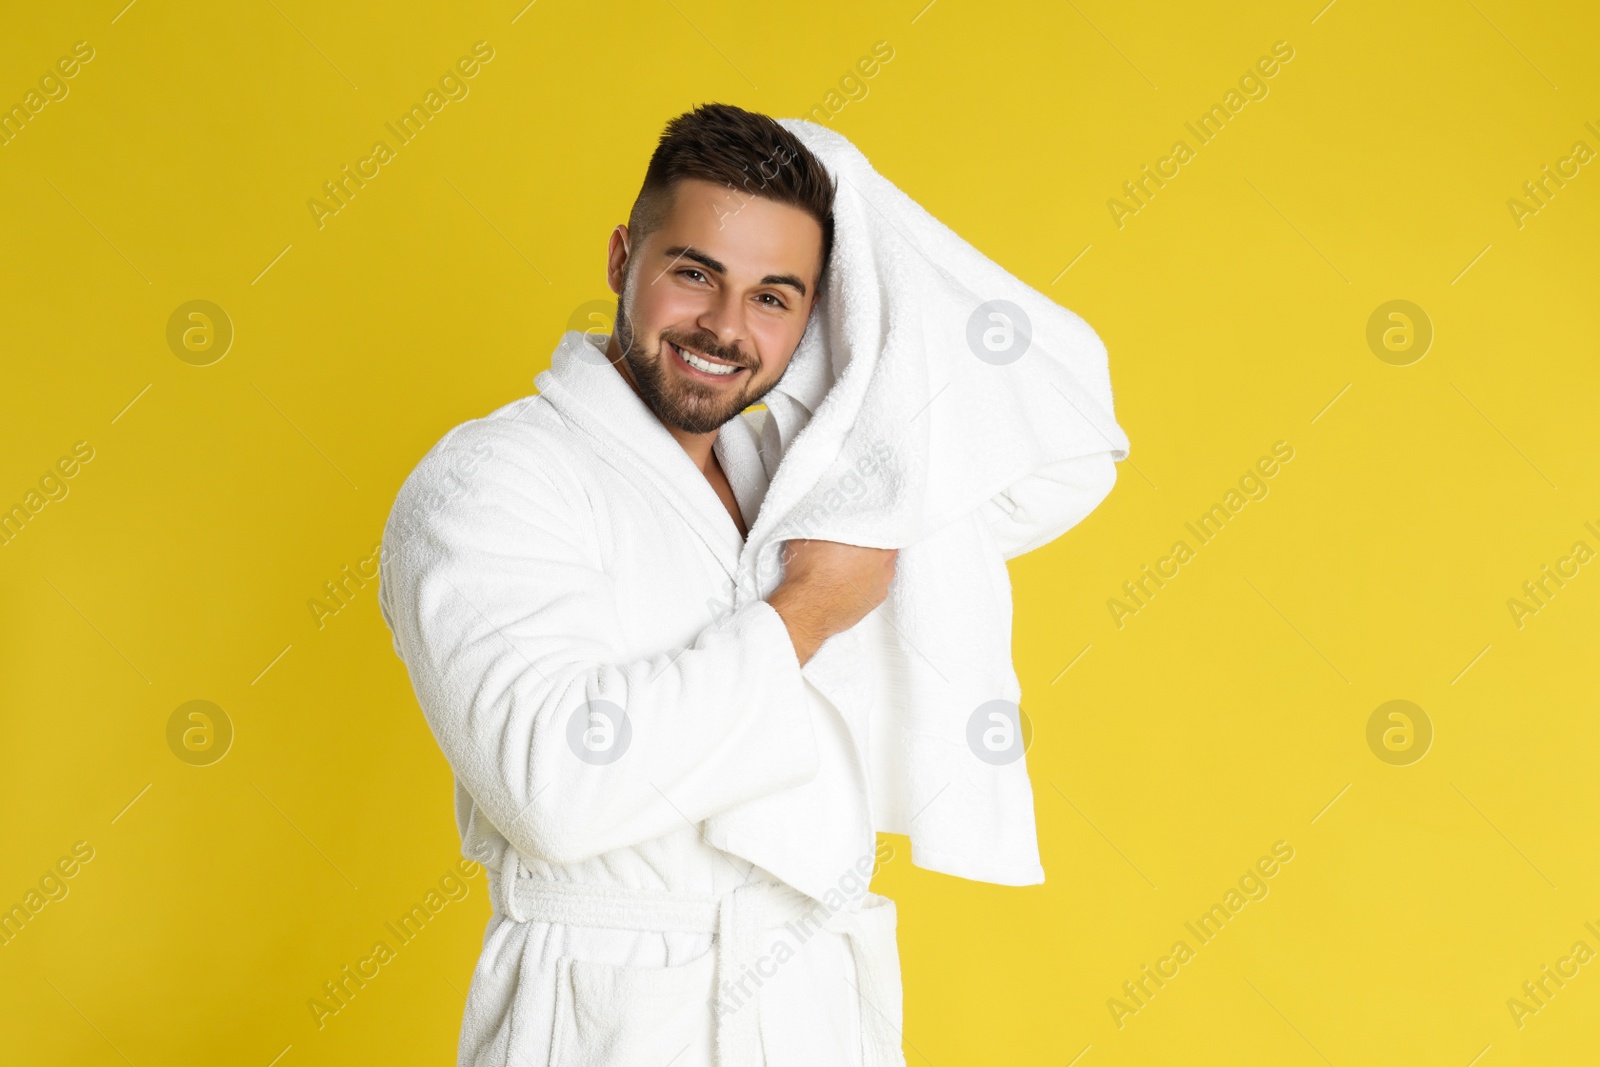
[(703, 366)]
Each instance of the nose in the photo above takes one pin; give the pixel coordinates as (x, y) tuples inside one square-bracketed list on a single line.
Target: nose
[(723, 319)]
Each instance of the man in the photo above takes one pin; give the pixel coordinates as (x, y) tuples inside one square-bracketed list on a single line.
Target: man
[(557, 575)]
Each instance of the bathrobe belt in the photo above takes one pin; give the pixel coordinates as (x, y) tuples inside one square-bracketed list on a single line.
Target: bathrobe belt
[(735, 919)]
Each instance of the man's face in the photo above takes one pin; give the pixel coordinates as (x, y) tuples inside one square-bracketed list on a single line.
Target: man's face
[(729, 277)]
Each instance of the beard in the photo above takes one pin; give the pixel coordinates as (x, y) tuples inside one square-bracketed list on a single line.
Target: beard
[(678, 401)]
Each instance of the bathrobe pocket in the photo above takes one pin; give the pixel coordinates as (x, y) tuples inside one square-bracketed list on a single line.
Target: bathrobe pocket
[(629, 1016)]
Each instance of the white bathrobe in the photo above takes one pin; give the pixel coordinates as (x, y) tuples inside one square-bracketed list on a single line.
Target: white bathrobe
[(565, 550), (563, 556)]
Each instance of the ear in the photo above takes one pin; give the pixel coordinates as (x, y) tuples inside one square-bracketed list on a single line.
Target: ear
[(617, 252)]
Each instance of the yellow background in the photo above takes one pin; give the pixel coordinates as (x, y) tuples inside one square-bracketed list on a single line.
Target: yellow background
[(1226, 715)]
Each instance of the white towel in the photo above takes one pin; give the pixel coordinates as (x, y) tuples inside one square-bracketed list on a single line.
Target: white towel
[(938, 405)]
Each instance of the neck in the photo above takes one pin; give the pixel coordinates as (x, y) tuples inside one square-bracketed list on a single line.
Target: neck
[(697, 445)]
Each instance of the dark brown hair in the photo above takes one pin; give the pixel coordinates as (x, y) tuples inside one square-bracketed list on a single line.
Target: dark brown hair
[(730, 146)]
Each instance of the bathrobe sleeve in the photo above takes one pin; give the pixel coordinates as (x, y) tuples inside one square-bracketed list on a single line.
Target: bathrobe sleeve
[(1046, 504), (504, 619)]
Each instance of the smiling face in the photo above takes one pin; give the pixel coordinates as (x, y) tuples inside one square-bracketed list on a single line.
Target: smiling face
[(730, 279)]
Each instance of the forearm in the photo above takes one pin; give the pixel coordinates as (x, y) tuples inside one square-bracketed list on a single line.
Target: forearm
[(799, 620)]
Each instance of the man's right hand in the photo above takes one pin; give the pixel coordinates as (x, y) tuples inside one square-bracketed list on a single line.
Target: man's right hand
[(827, 588)]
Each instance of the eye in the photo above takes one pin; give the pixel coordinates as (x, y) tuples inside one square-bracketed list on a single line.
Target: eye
[(776, 300), (691, 270)]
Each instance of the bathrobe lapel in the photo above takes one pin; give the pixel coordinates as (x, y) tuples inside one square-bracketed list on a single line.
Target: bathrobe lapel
[(594, 396)]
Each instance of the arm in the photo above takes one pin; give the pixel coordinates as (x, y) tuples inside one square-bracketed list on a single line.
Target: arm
[(1041, 507), (505, 620)]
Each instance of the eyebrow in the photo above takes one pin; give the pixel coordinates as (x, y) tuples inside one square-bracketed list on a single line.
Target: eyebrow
[(689, 252)]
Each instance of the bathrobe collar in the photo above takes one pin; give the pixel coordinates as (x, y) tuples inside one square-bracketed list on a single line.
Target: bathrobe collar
[(590, 393)]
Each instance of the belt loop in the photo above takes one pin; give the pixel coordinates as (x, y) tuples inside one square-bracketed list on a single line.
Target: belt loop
[(510, 873)]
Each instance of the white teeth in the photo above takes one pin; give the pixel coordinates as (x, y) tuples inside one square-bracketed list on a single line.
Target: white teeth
[(703, 365)]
